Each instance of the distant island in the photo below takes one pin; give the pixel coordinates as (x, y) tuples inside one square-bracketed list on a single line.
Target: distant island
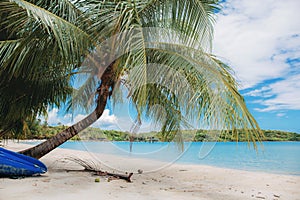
[(44, 131)]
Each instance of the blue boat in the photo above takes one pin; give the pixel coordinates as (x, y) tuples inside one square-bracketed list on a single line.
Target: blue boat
[(13, 164)]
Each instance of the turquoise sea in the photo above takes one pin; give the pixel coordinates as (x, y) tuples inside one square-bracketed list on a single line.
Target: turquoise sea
[(270, 157)]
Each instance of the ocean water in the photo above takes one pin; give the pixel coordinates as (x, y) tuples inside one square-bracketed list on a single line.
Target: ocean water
[(271, 157)]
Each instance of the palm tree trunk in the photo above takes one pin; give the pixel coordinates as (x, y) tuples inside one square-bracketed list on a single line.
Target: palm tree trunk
[(52, 143), (6, 130)]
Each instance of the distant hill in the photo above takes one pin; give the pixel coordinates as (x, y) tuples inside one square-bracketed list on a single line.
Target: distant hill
[(44, 132), (270, 135)]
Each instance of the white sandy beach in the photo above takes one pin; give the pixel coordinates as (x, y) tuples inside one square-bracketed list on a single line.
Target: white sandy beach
[(62, 181)]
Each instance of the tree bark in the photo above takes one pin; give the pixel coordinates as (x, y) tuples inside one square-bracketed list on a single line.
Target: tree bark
[(52, 143), (7, 129), (4, 132)]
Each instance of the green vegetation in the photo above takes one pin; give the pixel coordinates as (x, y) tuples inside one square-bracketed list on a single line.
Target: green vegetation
[(38, 130), (208, 135), (273, 135)]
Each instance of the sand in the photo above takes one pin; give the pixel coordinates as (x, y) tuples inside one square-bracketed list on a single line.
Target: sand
[(66, 180)]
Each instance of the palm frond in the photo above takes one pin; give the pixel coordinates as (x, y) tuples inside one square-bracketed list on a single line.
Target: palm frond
[(37, 28), (192, 19), (37, 58), (196, 84)]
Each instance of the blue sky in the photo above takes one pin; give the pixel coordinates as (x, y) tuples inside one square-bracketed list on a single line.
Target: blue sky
[(260, 40)]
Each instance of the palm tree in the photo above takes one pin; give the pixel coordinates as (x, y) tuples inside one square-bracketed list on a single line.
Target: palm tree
[(158, 49)]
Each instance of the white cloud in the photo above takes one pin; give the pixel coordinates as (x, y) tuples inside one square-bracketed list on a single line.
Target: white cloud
[(280, 114), (257, 37), (78, 117), (53, 117), (106, 121), (286, 95), (262, 92)]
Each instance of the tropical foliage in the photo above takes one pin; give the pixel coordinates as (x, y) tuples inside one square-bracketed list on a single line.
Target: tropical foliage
[(158, 49), (42, 131)]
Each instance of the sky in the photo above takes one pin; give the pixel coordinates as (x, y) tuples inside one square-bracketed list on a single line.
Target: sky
[(260, 40)]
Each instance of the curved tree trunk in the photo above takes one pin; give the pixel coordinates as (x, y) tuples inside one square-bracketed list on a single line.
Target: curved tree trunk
[(52, 143), (5, 131)]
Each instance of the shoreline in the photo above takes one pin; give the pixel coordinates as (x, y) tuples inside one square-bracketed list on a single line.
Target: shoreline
[(180, 162), (176, 181)]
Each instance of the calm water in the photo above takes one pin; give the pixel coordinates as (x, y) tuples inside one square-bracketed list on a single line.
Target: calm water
[(274, 157)]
